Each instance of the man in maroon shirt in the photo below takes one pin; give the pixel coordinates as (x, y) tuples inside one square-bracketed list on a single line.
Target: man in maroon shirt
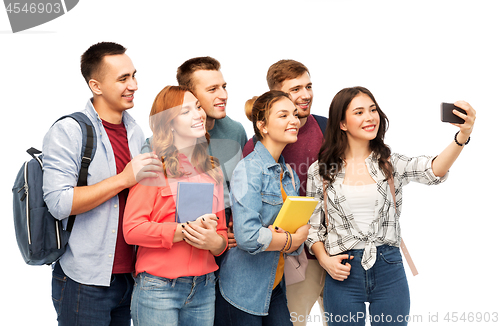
[(88, 288), (293, 77), (124, 260)]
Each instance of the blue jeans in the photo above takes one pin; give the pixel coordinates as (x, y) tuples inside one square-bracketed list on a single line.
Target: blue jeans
[(171, 302), (229, 315), (384, 286), (80, 304)]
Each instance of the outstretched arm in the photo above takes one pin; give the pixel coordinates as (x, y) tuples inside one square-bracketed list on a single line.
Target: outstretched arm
[(445, 160)]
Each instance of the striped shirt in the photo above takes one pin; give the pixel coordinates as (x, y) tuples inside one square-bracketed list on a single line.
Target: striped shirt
[(342, 232)]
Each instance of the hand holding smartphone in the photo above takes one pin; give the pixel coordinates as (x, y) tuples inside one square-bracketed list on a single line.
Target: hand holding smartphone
[(447, 114)]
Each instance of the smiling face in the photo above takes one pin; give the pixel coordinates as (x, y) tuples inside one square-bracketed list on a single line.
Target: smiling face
[(114, 90), (282, 124), (300, 90), (189, 124), (362, 119), (210, 88)]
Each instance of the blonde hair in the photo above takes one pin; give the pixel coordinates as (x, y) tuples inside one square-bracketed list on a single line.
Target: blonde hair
[(249, 106)]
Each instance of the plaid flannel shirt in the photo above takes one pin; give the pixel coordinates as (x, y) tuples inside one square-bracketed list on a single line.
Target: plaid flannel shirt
[(342, 233)]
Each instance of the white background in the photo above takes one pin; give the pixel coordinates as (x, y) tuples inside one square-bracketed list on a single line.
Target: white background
[(411, 54)]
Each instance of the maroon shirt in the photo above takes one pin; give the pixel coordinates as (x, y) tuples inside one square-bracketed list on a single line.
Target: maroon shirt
[(301, 154), (124, 260)]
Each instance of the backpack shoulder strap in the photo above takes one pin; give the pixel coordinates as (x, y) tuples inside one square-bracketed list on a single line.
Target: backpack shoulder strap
[(322, 121), (404, 249), (89, 145), (291, 174)]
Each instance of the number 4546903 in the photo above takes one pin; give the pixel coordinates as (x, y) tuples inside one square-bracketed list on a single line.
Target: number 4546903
[(471, 317), (32, 8)]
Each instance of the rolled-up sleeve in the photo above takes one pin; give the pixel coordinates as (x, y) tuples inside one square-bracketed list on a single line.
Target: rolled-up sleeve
[(246, 206), (416, 169), (61, 163)]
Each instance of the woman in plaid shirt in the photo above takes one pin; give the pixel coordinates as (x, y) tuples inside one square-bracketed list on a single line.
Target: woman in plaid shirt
[(358, 243)]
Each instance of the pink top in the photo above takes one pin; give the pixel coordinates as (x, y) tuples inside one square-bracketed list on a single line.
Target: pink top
[(149, 222)]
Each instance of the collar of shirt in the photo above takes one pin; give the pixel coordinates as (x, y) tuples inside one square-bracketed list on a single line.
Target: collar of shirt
[(268, 161), (186, 167), (127, 119), (192, 174)]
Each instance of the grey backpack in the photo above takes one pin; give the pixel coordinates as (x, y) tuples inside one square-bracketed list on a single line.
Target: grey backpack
[(41, 237)]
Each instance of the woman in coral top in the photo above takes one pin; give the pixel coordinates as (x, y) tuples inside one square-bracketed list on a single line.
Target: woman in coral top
[(175, 282)]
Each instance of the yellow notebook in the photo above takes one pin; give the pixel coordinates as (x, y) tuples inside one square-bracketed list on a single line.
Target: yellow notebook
[(295, 212)]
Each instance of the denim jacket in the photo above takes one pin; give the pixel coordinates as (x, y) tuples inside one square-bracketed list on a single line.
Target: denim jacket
[(247, 272)]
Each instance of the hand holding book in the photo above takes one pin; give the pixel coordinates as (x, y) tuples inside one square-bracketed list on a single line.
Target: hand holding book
[(204, 236), (295, 212), (290, 226)]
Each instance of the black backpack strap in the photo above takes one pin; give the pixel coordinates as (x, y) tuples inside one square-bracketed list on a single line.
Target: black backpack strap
[(89, 145), (322, 121), (33, 152)]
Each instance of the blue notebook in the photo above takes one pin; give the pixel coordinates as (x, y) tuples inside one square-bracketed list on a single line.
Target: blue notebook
[(193, 200)]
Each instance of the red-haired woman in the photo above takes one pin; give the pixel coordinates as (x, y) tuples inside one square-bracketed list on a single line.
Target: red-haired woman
[(175, 283)]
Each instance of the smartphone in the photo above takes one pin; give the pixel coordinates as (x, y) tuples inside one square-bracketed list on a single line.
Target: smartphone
[(447, 114)]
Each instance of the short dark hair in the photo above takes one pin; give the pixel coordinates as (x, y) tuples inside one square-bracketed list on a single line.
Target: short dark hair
[(91, 60), (284, 70), (186, 70)]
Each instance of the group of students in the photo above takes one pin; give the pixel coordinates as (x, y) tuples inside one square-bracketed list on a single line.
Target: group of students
[(128, 258)]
